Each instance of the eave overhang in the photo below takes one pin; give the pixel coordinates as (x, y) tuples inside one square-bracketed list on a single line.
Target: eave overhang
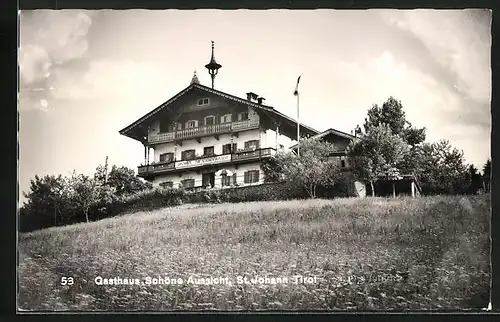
[(331, 131), (138, 129)]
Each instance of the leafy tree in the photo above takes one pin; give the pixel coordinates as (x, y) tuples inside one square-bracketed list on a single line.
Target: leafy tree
[(473, 180), (47, 196), (125, 181), (312, 168), (487, 175), (273, 171), (391, 113), (101, 173), (379, 153), (85, 192), (442, 169)]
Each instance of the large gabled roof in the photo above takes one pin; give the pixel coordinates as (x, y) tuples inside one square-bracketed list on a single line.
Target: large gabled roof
[(268, 109), (328, 132)]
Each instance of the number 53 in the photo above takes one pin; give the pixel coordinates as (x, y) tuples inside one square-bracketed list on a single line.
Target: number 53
[(66, 280)]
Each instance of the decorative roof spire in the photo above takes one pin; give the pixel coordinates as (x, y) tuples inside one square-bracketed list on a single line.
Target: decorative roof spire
[(213, 66), (195, 79)]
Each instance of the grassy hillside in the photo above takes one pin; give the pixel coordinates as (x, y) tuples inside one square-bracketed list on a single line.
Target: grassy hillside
[(361, 254)]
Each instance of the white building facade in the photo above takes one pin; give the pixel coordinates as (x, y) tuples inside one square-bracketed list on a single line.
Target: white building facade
[(203, 138)]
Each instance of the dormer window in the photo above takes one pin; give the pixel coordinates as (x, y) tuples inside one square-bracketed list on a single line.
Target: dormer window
[(210, 120), (203, 101)]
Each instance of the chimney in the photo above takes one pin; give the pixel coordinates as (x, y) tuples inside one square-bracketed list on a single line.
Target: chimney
[(260, 99), (252, 97)]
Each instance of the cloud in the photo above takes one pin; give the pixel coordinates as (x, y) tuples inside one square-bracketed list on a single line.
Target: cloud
[(48, 40), (114, 80), (459, 40)]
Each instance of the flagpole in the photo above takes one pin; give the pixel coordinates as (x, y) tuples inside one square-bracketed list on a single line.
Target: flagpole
[(298, 127), (296, 93)]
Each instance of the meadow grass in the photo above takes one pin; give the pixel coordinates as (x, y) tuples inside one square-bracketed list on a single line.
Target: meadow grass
[(366, 254)]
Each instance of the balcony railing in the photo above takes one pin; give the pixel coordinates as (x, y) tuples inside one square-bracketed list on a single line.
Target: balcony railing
[(200, 162), (251, 154), (205, 130), (156, 168)]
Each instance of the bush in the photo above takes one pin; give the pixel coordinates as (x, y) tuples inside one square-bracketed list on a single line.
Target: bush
[(264, 192)]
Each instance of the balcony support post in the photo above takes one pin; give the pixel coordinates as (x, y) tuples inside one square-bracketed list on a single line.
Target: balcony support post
[(145, 154), (277, 134)]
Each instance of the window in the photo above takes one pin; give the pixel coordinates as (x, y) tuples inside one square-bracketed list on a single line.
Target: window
[(191, 124), (226, 148), (342, 163), (167, 184), (187, 183), (251, 176), (243, 116), (226, 118), (166, 157), (210, 120), (188, 155), (208, 151), (226, 180), (253, 144), (203, 101)]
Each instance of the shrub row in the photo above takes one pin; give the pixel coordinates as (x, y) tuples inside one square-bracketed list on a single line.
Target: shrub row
[(110, 205)]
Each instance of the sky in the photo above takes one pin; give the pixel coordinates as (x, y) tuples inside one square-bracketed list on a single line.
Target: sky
[(85, 75)]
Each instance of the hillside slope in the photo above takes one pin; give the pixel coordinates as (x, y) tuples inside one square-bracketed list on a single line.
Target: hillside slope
[(358, 254)]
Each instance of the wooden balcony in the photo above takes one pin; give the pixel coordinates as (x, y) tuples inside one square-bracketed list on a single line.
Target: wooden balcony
[(206, 130), (176, 166), (147, 170), (252, 154)]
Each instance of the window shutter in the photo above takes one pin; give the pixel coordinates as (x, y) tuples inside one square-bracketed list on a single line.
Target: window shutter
[(234, 178), (246, 177), (256, 174)]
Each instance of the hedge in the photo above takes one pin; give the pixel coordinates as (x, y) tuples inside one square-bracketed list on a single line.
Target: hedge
[(111, 205)]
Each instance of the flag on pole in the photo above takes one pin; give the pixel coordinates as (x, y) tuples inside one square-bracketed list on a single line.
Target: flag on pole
[(296, 92)]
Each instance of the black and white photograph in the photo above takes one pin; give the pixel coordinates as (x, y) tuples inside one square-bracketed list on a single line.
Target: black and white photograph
[(254, 160)]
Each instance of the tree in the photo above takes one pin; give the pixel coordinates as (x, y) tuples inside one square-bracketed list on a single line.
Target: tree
[(391, 113), (273, 171), (442, 169), (378, 153), (85, 192), (473, 180), (125, 181), (101, 173), (312, 168), (47, 196), (487, 175)]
